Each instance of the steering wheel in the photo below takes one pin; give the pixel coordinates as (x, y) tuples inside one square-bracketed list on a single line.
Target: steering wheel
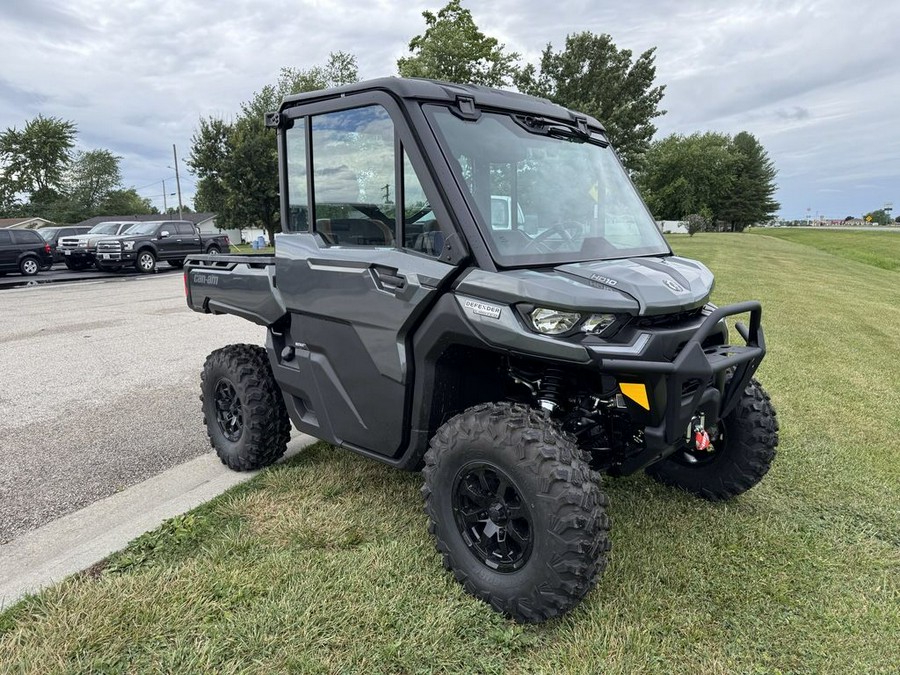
[(563, 229)]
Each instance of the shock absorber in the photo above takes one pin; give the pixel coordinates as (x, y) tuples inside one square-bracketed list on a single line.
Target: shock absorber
[(549, 393)]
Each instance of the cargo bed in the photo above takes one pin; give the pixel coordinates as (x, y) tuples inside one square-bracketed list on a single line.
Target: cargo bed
[(243, 285)]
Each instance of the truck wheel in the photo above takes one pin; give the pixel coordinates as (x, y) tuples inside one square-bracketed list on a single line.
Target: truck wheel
[(75, 267), (29, 266), (176, 263), (743, 450), (515, 510), (244, 413), (146, 261), (213, 250)]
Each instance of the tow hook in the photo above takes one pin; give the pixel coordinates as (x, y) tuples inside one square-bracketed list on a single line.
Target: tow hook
[(698, 435)]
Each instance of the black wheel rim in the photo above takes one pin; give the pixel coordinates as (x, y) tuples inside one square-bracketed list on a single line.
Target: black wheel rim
[(228, 411), (492, 517)]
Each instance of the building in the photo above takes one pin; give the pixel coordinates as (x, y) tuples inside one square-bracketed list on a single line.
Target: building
[(32, 223)]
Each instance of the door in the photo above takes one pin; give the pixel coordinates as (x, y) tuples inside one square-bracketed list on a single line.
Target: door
[(8, 253), (188, 239), (169, 246), (358, 283)]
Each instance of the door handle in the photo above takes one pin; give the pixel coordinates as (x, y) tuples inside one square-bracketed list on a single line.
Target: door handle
[(388, 278)]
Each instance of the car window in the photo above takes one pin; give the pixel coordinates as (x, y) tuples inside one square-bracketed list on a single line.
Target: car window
[(353, 177), (185, 228), (4, 237), (26, 237)]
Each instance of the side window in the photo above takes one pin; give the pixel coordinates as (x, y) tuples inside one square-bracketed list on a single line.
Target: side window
[(297, 186), (186, 228), (420, 229), (4, 237), (353, 177), (26, 237)]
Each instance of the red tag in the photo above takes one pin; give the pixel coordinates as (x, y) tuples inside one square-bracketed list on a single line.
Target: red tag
[(701, 439)]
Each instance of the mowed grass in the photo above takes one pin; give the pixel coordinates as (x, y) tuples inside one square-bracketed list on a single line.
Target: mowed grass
[(323, 564), (880, 249)]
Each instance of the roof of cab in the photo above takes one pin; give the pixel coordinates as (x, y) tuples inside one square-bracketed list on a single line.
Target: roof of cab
[(421, 89)]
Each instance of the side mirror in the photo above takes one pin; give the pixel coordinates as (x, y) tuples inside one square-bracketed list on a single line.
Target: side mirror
[(163, 234)]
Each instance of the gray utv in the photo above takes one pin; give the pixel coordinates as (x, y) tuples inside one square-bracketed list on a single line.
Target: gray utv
[(468, 283)]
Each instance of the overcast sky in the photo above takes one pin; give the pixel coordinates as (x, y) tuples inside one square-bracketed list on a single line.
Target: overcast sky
[(817, 81)]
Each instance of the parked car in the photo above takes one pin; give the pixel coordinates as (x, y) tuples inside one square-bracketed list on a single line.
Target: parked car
[(78, 252), (52, 235), (146, 243), (23, 251)]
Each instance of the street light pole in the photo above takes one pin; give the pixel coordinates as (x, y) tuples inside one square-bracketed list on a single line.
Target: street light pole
[(165, 206), (177, 181)]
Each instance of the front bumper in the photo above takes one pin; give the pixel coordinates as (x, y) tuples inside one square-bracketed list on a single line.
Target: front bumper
[(695, 381), (77, 254), (115, 257)]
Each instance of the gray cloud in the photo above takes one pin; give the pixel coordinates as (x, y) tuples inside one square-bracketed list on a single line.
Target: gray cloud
[(812, 79)]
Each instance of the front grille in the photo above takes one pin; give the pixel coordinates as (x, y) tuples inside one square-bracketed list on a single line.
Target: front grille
[(109, 247), (67, 243), (667, 320)]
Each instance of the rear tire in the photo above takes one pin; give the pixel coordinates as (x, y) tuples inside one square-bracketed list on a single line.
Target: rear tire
[(213, 250), (515, 510), (243, 410), (743, 453), (29, 266)]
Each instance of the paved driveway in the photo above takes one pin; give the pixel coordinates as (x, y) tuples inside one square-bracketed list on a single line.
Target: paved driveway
[(99, 387)]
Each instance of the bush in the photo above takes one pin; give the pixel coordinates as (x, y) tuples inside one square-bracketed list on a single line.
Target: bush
[(696, 223)]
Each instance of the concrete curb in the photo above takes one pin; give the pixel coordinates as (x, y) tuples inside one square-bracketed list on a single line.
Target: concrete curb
[(78, 540)]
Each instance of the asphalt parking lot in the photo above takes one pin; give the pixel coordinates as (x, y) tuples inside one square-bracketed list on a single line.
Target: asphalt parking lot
[(99, 388)]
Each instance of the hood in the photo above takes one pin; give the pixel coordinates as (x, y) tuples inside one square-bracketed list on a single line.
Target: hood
[(638, 286), (659, 285)]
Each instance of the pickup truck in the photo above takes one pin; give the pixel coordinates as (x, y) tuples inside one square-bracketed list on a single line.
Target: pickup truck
[(78, 251), (147, 243)]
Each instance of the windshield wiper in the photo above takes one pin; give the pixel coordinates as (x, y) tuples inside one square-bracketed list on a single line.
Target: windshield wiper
[(557, 129)]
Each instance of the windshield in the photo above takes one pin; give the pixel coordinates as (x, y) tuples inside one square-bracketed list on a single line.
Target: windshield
[(142, 228), (544, 193), (104, 228), (47, 233)]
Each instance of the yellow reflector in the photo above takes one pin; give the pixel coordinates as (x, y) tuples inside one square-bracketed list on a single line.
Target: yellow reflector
[(636, 392)]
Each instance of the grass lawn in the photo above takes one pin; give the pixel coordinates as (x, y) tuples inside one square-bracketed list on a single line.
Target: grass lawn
[(323, 564), (881, 249), (247, 248)]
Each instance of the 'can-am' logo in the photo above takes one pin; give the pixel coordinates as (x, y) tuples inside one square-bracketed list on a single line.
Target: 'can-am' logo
[(674, 285)]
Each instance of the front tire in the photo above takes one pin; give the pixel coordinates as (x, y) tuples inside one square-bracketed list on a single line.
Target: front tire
[(145, 262), (244, 413), (515, 510), (743, 452)]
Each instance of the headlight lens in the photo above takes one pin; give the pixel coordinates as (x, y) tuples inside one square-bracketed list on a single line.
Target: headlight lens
[(82, 244), (128, 245), (597, 323), (553, 321)]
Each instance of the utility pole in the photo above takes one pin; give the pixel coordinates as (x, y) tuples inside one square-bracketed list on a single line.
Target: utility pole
[(177, 181)]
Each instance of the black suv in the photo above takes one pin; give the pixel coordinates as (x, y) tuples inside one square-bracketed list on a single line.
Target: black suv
[(52, 236), (23, 251)]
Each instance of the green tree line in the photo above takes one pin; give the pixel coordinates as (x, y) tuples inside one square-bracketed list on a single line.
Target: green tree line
[(41, 173)]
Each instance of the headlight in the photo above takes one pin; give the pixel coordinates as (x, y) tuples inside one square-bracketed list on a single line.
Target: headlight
[(82, 244), (597, 323), (128, 245), (553, 321)]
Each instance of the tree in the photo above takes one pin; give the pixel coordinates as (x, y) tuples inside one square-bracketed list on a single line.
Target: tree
[(687, 174), (125, 202), (728, 180), (879, 217), (751, 197), (696, 223), (35, 158), (92, 177), (237, 162), (452, 48), (593, 76)]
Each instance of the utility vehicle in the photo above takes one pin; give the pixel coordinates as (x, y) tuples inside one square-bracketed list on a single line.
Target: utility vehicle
[(514, 358)]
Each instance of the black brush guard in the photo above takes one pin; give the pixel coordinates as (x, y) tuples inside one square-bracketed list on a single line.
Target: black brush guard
[(694, 363)]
